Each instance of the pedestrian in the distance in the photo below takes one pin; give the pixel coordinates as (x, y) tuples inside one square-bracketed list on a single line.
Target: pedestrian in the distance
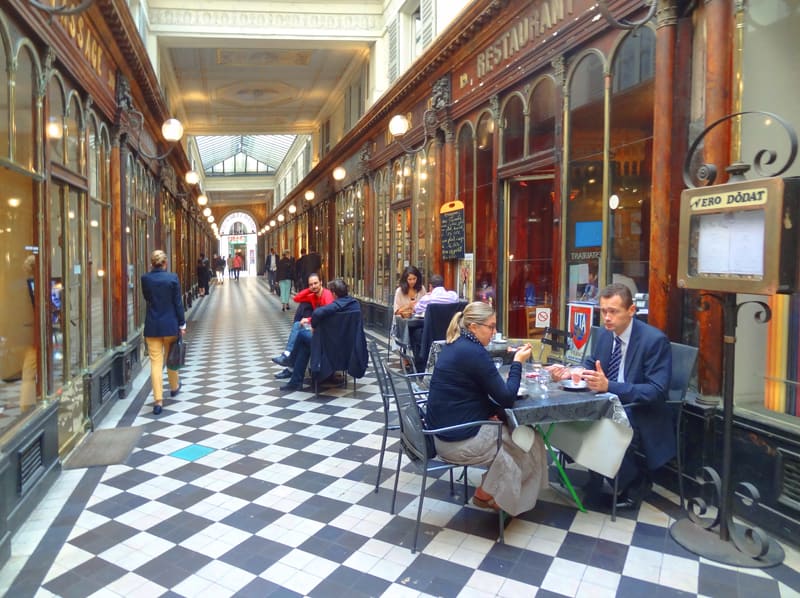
[(284, 275), (203, 276), (219, 268), (238, 264)]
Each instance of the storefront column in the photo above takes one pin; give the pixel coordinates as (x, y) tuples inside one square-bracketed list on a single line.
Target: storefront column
[(661, 214), (119, 321), (447, 178), (719, 24)]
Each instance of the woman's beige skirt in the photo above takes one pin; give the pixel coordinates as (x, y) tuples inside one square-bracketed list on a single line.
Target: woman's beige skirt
[(514, 477)]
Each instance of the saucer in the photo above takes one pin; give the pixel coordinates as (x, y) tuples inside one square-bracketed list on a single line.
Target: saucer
[(571, 386)]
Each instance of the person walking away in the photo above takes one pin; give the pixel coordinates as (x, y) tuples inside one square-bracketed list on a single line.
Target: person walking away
[(272, 269), (230, 266), (238, 263), (164, 321), (313, 264), (202, 277), (219, 268), (284, 275), (299, 271)]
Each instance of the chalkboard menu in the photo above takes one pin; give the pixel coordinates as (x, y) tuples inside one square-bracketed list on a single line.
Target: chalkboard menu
[(452, 230)]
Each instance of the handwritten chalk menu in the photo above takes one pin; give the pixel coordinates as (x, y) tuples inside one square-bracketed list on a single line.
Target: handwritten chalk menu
[(451, 217)]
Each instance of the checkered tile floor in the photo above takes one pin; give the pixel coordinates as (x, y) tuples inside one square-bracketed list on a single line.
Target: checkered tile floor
[(239, 489)]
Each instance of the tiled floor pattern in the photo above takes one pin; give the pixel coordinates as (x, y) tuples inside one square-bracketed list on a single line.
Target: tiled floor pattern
[(239, 489)]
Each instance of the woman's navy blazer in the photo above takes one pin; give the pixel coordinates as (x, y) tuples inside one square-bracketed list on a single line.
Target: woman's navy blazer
[(162, 291)]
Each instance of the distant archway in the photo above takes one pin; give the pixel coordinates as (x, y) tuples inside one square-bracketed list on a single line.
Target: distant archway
[(237, 233)]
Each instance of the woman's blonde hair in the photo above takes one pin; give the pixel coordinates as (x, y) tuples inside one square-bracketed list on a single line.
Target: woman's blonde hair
[(476, 312), (158, 257)]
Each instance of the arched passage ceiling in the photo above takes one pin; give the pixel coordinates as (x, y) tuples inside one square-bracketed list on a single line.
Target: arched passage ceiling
[(246, 67)]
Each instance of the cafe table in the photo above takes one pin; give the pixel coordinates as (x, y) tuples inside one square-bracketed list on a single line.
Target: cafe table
[(403, 328), (567, 407)]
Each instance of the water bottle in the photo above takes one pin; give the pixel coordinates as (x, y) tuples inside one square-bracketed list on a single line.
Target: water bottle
[(543, 384)]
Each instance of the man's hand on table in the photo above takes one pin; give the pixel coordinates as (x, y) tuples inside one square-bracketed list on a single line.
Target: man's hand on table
[(596, 379)]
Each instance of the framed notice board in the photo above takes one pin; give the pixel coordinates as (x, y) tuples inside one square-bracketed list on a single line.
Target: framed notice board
[(451, 217)]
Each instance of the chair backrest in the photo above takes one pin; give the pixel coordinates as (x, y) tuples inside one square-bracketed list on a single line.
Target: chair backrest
[(437, 319), (433, 355), (684, 362), (410, 420), (339, 344), (558, 342), (376, 354)]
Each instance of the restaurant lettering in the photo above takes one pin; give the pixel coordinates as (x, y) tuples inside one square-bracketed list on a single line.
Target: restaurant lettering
[(746, 197), (541, 19)]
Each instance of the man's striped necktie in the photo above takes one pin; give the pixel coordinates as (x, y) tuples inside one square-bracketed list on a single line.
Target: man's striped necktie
[(616, 356)]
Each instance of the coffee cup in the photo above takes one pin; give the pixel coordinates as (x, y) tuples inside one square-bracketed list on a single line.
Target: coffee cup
[(498, 337)]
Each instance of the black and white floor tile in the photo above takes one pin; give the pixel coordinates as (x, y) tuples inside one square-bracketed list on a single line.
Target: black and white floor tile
[(239, 489)]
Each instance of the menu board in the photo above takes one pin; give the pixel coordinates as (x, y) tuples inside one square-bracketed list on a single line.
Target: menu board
[(452, 235)]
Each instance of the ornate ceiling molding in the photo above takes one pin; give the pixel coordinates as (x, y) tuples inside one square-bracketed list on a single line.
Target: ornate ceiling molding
[(265, 23)]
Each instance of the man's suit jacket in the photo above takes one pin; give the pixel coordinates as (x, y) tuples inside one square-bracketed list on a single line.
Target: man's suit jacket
[(162, 291), (648, 367)]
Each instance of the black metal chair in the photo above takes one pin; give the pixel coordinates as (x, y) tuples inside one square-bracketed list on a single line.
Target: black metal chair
[(417, 442), (338, 345), (390, 422), (437, 319), (559, 342), (684, 362)]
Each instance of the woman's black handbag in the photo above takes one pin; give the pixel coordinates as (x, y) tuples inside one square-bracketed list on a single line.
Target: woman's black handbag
[(176, 358)]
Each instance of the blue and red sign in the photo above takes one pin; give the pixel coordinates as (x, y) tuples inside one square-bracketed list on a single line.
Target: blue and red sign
[(580, 323)]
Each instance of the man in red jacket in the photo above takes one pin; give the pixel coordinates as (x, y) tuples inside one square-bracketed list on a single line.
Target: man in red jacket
[(316, 295)]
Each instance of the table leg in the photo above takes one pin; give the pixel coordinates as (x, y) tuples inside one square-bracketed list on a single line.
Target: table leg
[(561, 472)]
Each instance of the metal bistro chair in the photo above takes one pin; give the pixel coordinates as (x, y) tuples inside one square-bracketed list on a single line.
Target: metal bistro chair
[(417, 442), (559, 343), (390, 420), (684, 361)]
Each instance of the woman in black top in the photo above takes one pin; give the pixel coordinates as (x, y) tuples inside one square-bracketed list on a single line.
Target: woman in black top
[(466, 387)]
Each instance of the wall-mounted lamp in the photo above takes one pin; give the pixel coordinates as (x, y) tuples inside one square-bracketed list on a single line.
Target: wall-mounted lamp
[(267, 227), (613, 202), (192, 177), (339, 173), (400, 124), (292, 209), (210, 219), (281, 218), (272, 223), (62, 9), (171, 131), (14, 202), (310, 195), (202, 199), (207, 212)]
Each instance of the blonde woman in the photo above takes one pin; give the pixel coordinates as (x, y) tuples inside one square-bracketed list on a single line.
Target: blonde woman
[(467, 387), (164, 321)]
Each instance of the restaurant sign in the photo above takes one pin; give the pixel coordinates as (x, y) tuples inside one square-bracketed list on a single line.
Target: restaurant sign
[(539, 20)]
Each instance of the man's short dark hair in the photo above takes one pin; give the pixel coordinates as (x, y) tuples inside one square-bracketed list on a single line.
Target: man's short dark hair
[(314, 274), (338, 287), (436, 280), (620, 290)]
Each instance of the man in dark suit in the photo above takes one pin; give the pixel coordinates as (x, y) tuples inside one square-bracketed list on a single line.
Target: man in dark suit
[(638, 372)]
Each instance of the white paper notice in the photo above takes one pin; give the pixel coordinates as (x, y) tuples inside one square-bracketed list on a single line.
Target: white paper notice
[(731, 243)]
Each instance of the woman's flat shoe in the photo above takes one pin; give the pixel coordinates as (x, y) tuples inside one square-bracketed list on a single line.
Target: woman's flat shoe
[(485, 504), (157, 409)]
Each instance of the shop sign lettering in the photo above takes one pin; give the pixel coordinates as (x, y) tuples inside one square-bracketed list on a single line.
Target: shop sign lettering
[(729, 199), (582, 256), (85, 39), (541, 18)]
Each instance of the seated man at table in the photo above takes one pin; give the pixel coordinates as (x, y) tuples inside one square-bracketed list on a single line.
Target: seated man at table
[(632, 360), (436, 294), (301, 354), (315, 295)]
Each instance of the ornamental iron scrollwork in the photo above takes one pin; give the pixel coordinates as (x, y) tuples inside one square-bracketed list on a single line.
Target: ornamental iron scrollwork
[(706, 174), (602, 6)]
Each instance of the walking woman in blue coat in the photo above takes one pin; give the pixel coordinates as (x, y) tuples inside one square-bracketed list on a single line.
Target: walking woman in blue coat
[(163, 323)]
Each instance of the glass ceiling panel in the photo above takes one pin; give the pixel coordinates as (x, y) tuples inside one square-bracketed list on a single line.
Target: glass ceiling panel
[(269, 149)]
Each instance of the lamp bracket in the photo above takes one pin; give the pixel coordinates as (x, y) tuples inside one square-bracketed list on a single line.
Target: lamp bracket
[(602, 6), (63, 9)]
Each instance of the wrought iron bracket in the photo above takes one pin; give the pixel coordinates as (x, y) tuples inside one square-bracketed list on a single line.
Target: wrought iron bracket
[(63, 9), (602, 6), (706, 174)]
